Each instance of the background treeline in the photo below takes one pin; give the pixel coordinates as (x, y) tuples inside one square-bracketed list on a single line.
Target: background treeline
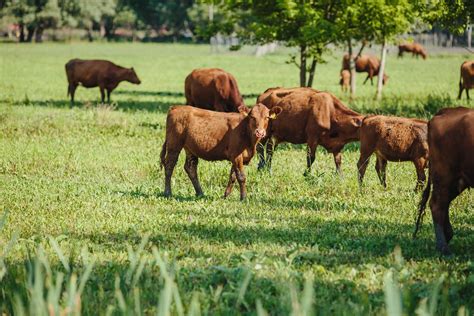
[(27, 20), (181, 20)]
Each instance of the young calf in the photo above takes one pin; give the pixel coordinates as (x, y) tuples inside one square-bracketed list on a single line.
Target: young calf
[(393, 139), (345, 80), (213, 136)]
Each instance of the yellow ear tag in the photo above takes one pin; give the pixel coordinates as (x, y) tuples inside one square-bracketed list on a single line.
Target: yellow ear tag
[(273, 116)]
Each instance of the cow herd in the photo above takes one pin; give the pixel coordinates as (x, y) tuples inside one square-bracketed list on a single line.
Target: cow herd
[(217, 125)]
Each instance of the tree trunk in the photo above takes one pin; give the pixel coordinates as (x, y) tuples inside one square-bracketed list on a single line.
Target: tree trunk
[(312, 71), (31, 32), (22, 33), (352, 69), (302, 66), (39, 34), (469, 36), (381, 71), (89, 34)]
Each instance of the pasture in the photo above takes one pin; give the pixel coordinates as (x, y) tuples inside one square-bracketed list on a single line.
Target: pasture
[(83, 185)]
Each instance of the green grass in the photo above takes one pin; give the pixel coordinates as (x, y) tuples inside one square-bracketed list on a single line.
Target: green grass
[(89, 177)]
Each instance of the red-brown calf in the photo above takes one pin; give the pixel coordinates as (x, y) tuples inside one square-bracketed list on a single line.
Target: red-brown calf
[(393, 139), (213, 136)]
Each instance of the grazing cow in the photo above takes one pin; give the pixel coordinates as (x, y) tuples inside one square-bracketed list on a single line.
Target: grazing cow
[(451, 168), (213, 89), (365, 63), (213, 136), (393, 139), (466, 80), (345, 80), (414, 48), (97, 73), (312, 117)]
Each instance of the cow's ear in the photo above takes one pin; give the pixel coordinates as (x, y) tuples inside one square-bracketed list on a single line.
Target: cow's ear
[(358, 121), (132, 69), (322, 104), (243, 110), (274, 112)]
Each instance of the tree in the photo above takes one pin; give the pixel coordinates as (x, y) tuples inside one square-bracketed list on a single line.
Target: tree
[(305, 24)]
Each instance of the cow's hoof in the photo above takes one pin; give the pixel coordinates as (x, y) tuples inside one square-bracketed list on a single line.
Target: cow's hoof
[(445, 252)]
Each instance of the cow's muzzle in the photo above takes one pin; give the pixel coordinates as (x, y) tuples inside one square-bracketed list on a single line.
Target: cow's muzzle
[(260, 133)]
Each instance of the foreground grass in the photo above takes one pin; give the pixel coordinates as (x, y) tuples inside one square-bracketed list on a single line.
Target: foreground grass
[(89, 177)]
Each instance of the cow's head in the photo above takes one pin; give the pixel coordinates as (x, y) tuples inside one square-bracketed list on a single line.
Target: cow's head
[(132, 76), (424, 54), (258, 118)]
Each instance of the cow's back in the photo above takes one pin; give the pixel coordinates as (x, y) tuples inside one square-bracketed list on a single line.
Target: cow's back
[(204, 87), (395, 138), (451, 140), (88, 72)]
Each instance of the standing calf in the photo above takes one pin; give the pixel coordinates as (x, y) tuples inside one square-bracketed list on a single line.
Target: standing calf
[(345, 80), (97, 73), (393, 139), (466, 80), (451, 170), (213, 136)]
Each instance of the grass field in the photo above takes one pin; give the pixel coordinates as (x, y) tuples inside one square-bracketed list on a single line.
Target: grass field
[(82, 190)]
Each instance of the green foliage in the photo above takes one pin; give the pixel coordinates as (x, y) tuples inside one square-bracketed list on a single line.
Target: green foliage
[(454, 15)]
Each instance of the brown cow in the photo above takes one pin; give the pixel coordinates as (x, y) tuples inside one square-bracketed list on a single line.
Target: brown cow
[(213, 136), (466, 80), (213, 89), (451, 168), (312, 117), (365, 63), (345, 80), (414, 48), (393, 139), (97, 73)]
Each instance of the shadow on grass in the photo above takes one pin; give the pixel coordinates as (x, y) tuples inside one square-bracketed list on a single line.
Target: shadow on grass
[(168, 93), (127, 106)]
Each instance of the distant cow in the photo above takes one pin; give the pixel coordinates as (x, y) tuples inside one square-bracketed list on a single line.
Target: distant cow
[(466, 80), (345, 80), (97, 73), (312, 117), (213, 89), (393, 139), (213, 136), (451, 168), (414, 48), (365, 63)]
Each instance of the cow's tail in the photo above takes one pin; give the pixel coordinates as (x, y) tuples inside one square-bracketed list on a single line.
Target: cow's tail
[(163, 154), (422, 206), (460, 77)]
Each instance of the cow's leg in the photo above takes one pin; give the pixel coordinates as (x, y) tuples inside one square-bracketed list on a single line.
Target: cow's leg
[(365, 153), (241, 178), (271, 145), (72, 90), (467, 93), (338, 160), (310, 156), (439, 204), (190, 166), (230, 184), (381, 168), (109, 91), (170, 162), (102, 94), (261, 154), (368, 76), (420, 173), (461, 88)]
